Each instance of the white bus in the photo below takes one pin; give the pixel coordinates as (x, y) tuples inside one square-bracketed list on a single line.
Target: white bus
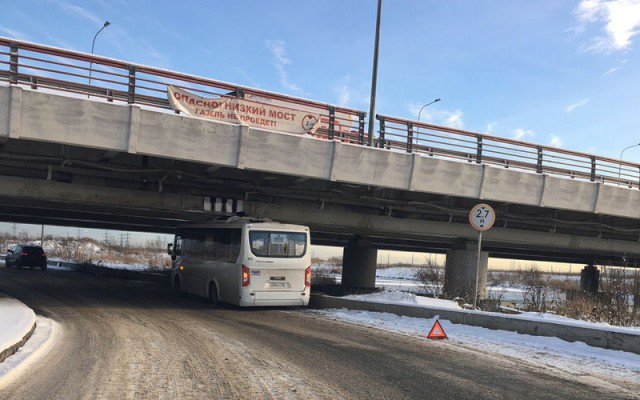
[(243, 262)]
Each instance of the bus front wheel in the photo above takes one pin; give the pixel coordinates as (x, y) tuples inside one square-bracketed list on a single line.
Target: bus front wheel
[(177, 286)]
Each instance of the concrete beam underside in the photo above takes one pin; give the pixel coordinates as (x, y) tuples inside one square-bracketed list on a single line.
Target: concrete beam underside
[(14, 187), (333, 219), (366, 224)]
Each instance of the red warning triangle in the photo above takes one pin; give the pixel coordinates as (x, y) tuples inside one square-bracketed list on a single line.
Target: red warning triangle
[(437, 332)]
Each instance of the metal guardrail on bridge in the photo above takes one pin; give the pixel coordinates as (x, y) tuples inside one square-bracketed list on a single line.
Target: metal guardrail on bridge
[(434, 140), (46, 67)]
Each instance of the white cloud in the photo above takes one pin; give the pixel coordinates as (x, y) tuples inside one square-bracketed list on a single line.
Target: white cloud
[(344, 95), (454, 119), (344, 92), (80, 12), (555, 141), (575, 105), (490, 127), (621, 20), (278, 50), (587, 10), (522, 134), (612, 70), (13, 33)]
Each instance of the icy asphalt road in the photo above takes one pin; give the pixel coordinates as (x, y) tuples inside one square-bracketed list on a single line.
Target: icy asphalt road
[(133, 339)]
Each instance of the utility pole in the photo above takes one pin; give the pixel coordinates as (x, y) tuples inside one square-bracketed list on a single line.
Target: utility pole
[(374, 78)]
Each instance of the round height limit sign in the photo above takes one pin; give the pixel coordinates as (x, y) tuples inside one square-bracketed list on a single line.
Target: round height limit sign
[(482, 217)]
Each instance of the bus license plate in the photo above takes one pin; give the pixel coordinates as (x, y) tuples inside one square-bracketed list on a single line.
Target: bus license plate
[(277, 285)]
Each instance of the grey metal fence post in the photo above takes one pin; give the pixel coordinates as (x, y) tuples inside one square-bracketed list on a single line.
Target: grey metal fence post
[(361, 118), (332, 121), (131, 96), (539, 167), (13, 63), (381, 133)]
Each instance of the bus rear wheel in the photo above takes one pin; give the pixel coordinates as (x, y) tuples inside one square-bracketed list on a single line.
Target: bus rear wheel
[(213, 294)]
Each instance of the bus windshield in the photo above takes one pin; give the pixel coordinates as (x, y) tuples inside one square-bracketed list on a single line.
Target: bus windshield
[(278, 244)]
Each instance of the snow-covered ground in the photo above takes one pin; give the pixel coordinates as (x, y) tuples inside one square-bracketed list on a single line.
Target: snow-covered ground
[(38, 344), (573, 358), (578, 359)]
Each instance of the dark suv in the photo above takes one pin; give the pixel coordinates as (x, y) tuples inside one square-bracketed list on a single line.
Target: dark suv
[(26, 255)]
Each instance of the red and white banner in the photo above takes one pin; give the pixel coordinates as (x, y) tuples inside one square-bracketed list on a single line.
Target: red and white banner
[(343, 124), (245, 112)]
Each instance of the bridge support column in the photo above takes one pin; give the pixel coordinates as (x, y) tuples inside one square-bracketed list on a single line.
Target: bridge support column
[(460, 271), (589, 279), (359, 264)]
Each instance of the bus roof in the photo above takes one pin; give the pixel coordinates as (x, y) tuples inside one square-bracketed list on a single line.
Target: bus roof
[(238, 222)]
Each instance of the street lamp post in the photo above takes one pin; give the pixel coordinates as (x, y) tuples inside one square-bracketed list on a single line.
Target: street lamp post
[(93, 44), (428, 104), (374, 77), (621, 153), (627, 148)]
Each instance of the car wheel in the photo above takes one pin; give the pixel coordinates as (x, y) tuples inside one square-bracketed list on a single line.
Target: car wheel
[(213, 294), (7, 264)]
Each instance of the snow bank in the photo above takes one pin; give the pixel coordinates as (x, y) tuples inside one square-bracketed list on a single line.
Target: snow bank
[(398, 297), (16, 320)]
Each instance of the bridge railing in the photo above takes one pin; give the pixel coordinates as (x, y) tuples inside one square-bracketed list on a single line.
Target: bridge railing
[(438, 141), (100, 78), (50, 68)]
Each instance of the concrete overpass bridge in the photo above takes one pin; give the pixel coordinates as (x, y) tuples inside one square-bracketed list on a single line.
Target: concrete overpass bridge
[(96, 142)]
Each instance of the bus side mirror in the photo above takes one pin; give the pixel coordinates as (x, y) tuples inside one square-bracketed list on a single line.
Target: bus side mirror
[(172, 252)]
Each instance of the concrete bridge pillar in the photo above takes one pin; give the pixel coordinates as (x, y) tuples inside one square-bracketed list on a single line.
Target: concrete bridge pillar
[(359, 264), (460, 271), (589, 279)]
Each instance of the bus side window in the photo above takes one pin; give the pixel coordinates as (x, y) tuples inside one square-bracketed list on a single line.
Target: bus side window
[(199, 244), (187, 244), (209, 247), (235, 236), (220, 251)]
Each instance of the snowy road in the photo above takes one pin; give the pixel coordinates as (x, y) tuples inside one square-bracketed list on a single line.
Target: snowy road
[(133, 339)]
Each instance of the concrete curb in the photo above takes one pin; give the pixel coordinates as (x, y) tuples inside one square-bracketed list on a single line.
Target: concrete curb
[(29, 328), (607, 338)]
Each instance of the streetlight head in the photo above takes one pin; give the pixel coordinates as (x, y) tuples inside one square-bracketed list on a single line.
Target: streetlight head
[(428, 104), (107, 23)]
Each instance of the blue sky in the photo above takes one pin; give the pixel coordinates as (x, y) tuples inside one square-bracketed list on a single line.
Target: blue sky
[(564, 73), (556, 72)]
